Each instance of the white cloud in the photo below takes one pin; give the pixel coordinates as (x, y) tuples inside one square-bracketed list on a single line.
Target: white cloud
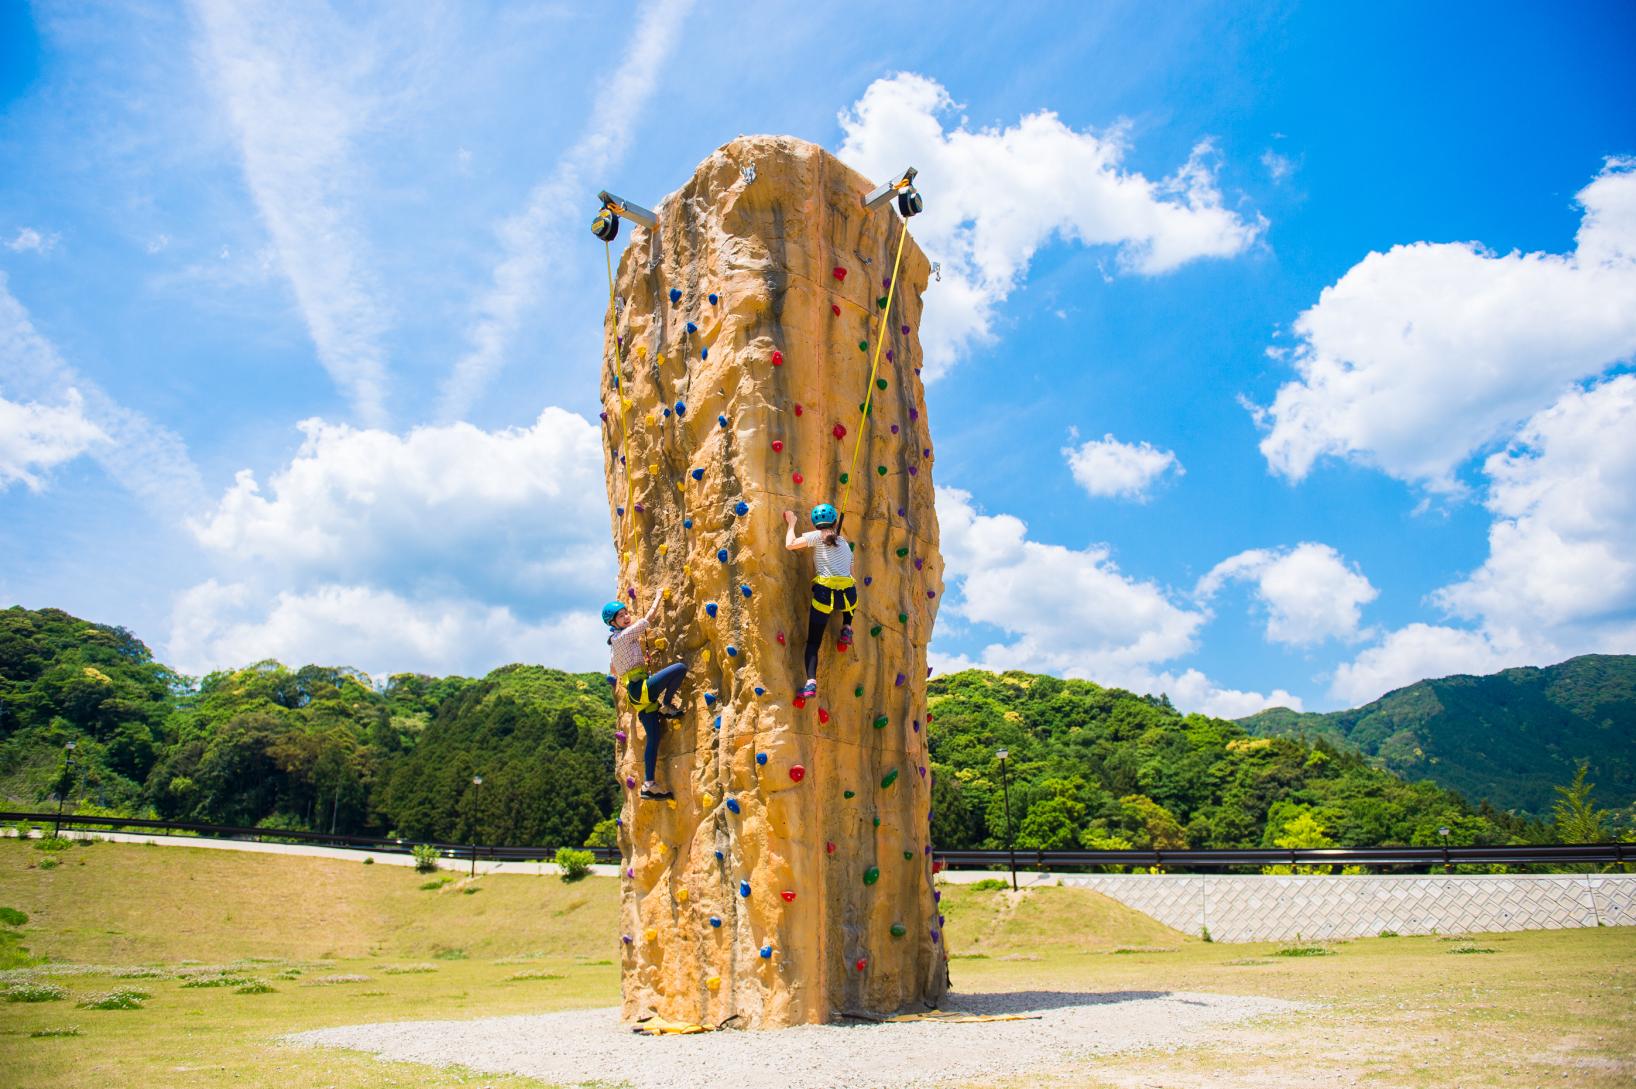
[(1107, 467), (1420, 356), (528, 238), (995, 196), (221, 626), (1418, 651), (1310, 593), (291, 84), (447, 548), (1071, 612), (150, 461), (1278, 166), (35, 437), (29, 240)]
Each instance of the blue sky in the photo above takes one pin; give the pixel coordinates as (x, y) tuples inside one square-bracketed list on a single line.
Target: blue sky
[(1282, 354)]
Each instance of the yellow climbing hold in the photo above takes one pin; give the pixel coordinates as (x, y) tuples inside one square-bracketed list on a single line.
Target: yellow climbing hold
[(641, 351), (681, 896), (650, 934), (660, 642), (706, 801), (667, 593), (714, 983), (704, 655), (679, 486), (653, 468), (663, 548), (626, 401)]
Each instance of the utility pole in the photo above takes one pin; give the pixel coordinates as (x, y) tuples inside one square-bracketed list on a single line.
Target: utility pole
[(1010, 843), (477, 786)]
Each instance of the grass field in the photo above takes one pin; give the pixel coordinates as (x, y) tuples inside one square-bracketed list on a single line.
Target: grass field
[(338, 942)]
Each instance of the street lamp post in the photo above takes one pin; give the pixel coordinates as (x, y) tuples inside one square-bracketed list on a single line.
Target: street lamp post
[(1444, 832), (477, 786), (1010, 842), (62, 785)]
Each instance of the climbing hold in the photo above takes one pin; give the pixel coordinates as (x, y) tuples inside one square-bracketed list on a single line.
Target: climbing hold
[(650, 935), (691, 328), (620, 511), (914, 414), (778, 359), (880, 383), (838, 431), (899, 682), (894, 429), (698, 474), (920, 562), (797, 773), (880, 470), (868, 579), (744, 588), (715, 921), (863, 345), (798, 478), (862, 964), (706, 801), (788, 895), (663, 548), (675, 295), (629, 872), (881, 302), (829, 848), (741, 507), (823, 715), (721, 554), (780, 638), (858, 691), (630, 784), (877, 822), (934, 937), (681, 896), (899, 930), (717, 724), (889, 778), (778, 446), (732, 651), (903, 618), (627, 939), (720, 856), (733, 807), (619, 735), (849, 794), (681, 408), (840, 273), (722, 420), (800, 702), (835, 309), (710, 609), (766, 952), (712, 298), (913, 471), (687, 523), (714, 983), (798, 410), (888, 355), (710, 699), (880, 722), (760, 691), (871, 875), (904, 329), (903, 552), (876, 630), (704, 353), (761, 758), (922, 767), (844, 477)]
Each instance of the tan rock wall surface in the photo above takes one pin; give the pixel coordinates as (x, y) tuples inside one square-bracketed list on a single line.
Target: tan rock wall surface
[(745, 409)]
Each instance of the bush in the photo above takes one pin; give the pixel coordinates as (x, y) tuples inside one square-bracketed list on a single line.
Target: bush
[(605, 834), (436, 883), (12, 917), (1303, 951), (255, 986), (988, 884), (116, 1000), (35, 992), (54, 843), (48, 863), (574, 864), (425, 858), (369, 860)]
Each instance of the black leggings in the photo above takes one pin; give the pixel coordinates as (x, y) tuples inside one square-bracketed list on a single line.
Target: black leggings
[(661, 686), (817, 621)]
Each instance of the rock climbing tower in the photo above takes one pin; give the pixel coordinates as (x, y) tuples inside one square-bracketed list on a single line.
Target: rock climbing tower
[(790, 879)]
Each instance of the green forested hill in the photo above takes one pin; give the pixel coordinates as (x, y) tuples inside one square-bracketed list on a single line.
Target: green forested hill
[(321, 747), (1508, 737)]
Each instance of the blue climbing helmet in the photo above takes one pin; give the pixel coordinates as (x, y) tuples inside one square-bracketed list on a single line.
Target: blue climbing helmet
[(611, 610), (824, 515)]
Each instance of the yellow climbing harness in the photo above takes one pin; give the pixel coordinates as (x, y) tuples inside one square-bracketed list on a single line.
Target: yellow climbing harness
[(844, 585), (874, 366), (645, 702)]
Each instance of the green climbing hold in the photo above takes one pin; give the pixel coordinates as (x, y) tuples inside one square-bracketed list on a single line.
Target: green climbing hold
[(849, 794), (881, 470), (903, 552), (843, 478), (880, 723), (898, 929), (858, 691), (863, 345), (880, 383), (903, 618), (875, 631), (871, 875), (877, 822), (889, 778), (908, 856), (881, 302)]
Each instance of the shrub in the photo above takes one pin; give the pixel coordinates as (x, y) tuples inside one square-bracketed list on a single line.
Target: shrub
[(425, 857), (216, 981), (35, 992), (987, 884), (369, 860), (54, 843), (408, 969), (1388, 934), (574, 864), (12, 917), (255, 986), (1303, 951), (140, 973), (1471, 949), (1204, 932), (116, 1000), (445, 953), (48, 863), (521, 976)]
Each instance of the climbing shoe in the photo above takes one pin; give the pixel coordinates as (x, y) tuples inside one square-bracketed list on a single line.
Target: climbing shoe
[(809, 690), (676, 711), (656, 795), (845, 640)]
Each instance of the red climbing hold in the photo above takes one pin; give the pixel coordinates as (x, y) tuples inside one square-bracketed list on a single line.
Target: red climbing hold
[(798, 410), (798, 478), (862, 964), (780, 638), (778, 446), (778, 359), (823, 715), (797, 773), (830, 847), (840, 273), (788, 895), (800, 702), (834, 309), (838, 431)]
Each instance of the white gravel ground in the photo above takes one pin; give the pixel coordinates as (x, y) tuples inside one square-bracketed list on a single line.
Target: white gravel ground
[(592, 1046)]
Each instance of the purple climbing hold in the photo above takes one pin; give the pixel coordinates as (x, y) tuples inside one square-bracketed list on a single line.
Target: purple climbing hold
[(629, 782), (640, 509), (923, 773), (901, 512), (926, 452), (904, 329), (894, 429), (629, 872), (899, 682), (937, 897), (620, 511), (886, 281), (930, 594), (920, 562), (888, 355), (917, 725), (934, 937), (914, 414), (619, 735), (626, 938), (604, 417), (913, 471)]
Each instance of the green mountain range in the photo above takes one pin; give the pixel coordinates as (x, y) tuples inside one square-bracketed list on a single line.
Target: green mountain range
[(1507, 738)]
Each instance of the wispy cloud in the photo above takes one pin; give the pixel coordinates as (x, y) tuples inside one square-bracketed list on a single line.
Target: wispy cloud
[(526, 238), (29, 240), (148, 460), (289, 82)]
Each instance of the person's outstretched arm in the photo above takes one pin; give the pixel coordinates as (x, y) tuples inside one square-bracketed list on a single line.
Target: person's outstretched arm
[(791, 541)]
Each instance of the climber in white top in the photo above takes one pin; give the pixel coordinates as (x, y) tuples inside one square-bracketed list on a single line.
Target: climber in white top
[(833, 555), (649, 695)]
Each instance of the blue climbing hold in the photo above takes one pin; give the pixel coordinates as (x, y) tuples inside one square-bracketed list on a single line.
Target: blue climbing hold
[(620, 511), (675, 295), (712, 298), (720, 857), (733, 807), (732, 651), (718, 722), (704, 353), (766, 952), (710, 608), (741, 507), (691, 328), (698, 474), (687, 523), (744, 888), (744, 589), (681, 408), (715, 921), (722, 420), (710, 699), (721, 554), (667, 413), (760, 691), (761, 758)]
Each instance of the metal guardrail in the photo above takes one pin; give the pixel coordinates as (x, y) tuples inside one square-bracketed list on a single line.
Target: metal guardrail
[(1381, 857)]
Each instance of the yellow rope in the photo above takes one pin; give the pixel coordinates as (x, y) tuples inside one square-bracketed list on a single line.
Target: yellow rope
[(869, 390), (624, 427)]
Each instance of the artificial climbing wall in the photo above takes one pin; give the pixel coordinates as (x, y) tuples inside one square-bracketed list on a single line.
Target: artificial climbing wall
[(790, 880)]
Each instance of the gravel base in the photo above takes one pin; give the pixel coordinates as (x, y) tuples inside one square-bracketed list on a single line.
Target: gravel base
[(592, 1046)]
